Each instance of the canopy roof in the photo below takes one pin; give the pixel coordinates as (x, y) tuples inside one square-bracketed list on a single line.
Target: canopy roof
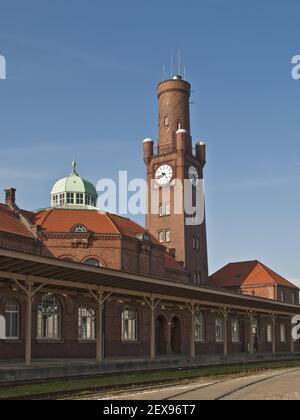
[(65, 275)]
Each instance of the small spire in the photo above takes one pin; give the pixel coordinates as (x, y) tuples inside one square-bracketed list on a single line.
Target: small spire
[(74, 164)]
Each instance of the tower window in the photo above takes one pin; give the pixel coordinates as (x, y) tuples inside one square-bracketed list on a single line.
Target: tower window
[(164, 209), (164, 236), (178, 126), (197, 277), (168, 236), (166, 121), (196, 243), (161, 237)]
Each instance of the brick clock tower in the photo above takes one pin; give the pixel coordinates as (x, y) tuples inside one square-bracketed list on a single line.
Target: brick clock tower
[(175, 158)]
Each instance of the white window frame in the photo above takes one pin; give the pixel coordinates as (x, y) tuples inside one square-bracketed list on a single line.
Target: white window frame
[(80, 199), (269, 333), (71, 198), (50, 321), (55, 200), (168, 236), (220, 330), (161, 236), (200, 328), (86, 323), (62, 199), (164, 210), (129, 324), (79, 229), (283, 333), (235, 331), (12, 308)]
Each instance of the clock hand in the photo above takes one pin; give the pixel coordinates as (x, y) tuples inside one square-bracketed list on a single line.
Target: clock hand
[(162, 176)]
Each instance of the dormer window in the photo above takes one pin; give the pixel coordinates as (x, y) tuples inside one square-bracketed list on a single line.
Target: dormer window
[(147, 237), (79, 229)]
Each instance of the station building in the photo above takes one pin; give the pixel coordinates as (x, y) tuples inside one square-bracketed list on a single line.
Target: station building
[(77, 282)]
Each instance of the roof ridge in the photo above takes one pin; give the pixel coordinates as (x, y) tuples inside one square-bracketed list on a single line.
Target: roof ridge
[(256, 263), (112, 222), (271, 272), (48, 212)]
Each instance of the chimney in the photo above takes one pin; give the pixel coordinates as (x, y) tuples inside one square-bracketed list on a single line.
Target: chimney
[(201, 152), (148, 150), (10, 197)]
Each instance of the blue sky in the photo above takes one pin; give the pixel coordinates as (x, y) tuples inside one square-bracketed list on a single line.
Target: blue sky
[(81, 81)]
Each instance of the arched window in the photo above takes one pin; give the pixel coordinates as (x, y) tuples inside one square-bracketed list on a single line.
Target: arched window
[(200, 328), (79, 229), (220, 330), (93, 262), (235, 331), (12, 315), (87, 323), (129, 323), (48, 318)]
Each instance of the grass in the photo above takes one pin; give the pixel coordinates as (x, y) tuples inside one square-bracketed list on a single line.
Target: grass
[(105, 384)]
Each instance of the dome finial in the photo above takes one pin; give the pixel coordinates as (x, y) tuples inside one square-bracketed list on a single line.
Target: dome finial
[(74, 165)]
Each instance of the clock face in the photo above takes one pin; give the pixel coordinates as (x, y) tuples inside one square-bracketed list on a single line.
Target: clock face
[(193, 175), (164, 174)]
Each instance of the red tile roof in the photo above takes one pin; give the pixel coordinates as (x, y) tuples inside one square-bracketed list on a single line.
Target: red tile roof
[(63, 220), (129, 227), (11, 223), (249, 273)]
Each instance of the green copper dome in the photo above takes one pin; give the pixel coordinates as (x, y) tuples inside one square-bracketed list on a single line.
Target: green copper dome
[(73, 191)]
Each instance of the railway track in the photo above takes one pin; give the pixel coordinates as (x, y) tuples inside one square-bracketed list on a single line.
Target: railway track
[(212, 390), (233, 394)]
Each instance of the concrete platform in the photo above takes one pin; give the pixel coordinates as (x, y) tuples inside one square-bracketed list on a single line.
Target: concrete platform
[(15, 371)]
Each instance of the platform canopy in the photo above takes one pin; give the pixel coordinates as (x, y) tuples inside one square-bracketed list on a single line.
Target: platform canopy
[(64, 275)]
